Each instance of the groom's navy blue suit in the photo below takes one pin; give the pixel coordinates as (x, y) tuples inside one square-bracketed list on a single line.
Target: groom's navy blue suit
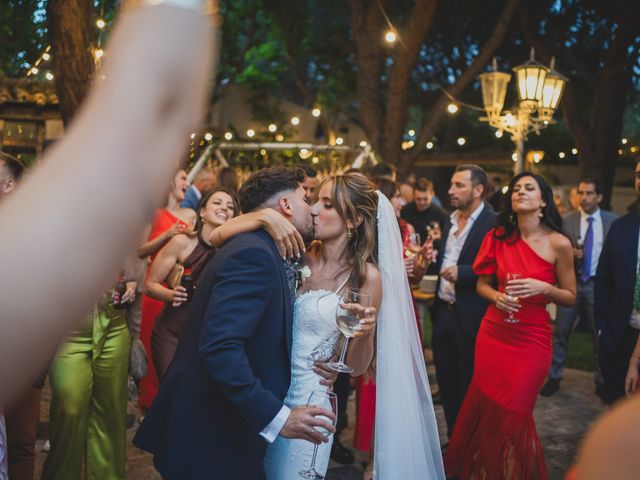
[(231, 370)]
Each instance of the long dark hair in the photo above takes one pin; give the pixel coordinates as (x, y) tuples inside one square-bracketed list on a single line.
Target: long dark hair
[(205, 199), (507, 222)]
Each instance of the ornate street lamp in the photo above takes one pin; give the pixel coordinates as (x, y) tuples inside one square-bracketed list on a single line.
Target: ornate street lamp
[(539, 88)]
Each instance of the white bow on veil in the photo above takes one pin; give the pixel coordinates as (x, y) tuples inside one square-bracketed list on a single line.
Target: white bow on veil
[(407, 444)]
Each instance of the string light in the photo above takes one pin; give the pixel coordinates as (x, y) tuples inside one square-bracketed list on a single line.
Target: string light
[(363, 144), (98, 53), (34, 70), (452, 108), (537, 157), (279, 137), (624, 141), (295, 121), (100, 23), (315, 159), (46, 56), (574, 151), (193, 135), (561, 155), (48, 76), (499, 133), (390, 37), (251, 133), (208, 137), (514, 157), (316, 112), (411, 133), (462, 141), (272, 127), (339, 141), (228, 136), (429, 145), (620, 151)]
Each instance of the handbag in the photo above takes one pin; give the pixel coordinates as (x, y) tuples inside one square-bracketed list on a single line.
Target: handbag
[(175, 276), (138, 362)]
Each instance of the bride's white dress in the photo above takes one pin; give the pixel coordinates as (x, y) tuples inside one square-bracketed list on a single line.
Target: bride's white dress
[(315, 336)]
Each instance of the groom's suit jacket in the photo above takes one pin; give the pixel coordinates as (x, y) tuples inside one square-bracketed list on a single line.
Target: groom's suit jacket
[(231, 370)]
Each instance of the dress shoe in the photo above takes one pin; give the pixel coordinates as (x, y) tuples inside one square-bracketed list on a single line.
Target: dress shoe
[(551, 387), (341, 454)]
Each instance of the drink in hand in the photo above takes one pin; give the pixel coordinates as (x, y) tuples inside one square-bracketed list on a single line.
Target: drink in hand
[(347, 324)]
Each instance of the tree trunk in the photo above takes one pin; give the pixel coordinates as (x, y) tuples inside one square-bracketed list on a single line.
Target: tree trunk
[(437, 110), (598, 138), (70, 24)]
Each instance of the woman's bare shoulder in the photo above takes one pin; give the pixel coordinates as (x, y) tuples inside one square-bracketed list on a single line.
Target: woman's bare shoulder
[(559, 241)]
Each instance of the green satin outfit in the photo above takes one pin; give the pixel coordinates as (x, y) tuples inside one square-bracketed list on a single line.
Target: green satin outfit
[(89, 400)]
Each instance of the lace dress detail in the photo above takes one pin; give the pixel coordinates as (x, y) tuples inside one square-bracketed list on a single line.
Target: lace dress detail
[(315, 337)]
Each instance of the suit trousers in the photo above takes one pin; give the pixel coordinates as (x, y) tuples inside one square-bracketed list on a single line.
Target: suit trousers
[(565, 323), (89, 401), (614, 365), (453, 355), (22, 418)]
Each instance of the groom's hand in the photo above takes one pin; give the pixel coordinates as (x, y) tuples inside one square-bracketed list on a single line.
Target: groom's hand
[(301, 423)]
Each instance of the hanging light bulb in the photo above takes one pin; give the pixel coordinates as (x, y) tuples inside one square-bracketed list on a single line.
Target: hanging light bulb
[(390, 36), (452, 108)]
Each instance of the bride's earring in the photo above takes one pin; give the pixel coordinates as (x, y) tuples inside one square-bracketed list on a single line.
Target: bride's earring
[(349, 232)]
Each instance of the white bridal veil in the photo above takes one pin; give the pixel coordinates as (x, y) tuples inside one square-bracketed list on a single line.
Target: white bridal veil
[(407, 445)]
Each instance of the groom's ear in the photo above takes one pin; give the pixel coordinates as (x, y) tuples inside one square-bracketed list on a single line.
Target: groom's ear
[(285, 206)]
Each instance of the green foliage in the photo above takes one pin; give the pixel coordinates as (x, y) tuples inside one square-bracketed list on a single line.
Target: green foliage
[(23, 34)]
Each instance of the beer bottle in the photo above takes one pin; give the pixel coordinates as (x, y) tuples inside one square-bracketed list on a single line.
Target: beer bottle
[(121, 288), (187, 283)]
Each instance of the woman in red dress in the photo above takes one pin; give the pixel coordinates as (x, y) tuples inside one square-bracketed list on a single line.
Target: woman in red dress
[(494, 436), (168, 222)]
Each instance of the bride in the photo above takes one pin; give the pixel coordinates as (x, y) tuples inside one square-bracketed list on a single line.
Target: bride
[(345, 253)]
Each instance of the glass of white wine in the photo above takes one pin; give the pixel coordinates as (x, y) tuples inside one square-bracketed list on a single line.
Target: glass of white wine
[(510, 277), (329, 401), (413, 244), (348, 323)]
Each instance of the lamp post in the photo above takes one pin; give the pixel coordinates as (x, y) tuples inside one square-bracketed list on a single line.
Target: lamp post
[(539, 88)]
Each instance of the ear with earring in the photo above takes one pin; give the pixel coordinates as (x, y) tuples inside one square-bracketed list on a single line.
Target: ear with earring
[(541, 212)]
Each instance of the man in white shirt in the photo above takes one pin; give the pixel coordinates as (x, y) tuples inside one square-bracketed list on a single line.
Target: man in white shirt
[(458, 309), (617, 320), (587, 229)]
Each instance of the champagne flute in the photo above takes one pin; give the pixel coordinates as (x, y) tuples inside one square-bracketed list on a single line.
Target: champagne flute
[(511, 276), (329, 401), (348, 324)]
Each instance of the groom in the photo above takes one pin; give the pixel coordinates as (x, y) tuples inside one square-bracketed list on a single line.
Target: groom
[(220, 402)]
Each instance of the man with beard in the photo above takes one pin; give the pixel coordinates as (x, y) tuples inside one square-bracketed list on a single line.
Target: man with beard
[(221, 401), (458, 309)]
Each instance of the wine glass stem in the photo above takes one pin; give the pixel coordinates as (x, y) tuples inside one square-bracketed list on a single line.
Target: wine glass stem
[(313, 459), (344, 350)]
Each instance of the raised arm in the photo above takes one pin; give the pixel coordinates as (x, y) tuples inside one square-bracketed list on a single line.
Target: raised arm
[(287, 238), (122, 146)]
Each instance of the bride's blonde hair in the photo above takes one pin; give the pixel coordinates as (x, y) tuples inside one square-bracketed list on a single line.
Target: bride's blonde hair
[(355, 199)]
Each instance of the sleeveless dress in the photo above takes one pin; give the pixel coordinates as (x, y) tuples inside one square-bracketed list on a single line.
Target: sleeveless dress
[(315, 337), (172, 320), (148, 385), (494, 436)]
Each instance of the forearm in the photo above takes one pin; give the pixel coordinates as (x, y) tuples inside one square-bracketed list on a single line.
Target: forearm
[(152, 246), (134, 121), (158, 291), (561, 296), (247, 222), (487, 292), (360, 354)]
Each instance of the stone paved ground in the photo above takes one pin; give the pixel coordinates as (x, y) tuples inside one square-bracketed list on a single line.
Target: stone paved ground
[(561, 421)]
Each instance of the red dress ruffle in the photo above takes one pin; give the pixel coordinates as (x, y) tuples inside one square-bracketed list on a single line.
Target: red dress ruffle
[(494, 436)]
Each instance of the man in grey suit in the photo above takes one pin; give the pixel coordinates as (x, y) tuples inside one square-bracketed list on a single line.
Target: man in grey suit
[(587, 229)]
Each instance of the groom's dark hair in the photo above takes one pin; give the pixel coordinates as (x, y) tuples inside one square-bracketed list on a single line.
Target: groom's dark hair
[(264, 184)]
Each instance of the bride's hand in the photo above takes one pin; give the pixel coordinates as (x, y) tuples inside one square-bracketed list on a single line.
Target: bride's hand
[(287, 238), (367, 316), (327, 376)]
